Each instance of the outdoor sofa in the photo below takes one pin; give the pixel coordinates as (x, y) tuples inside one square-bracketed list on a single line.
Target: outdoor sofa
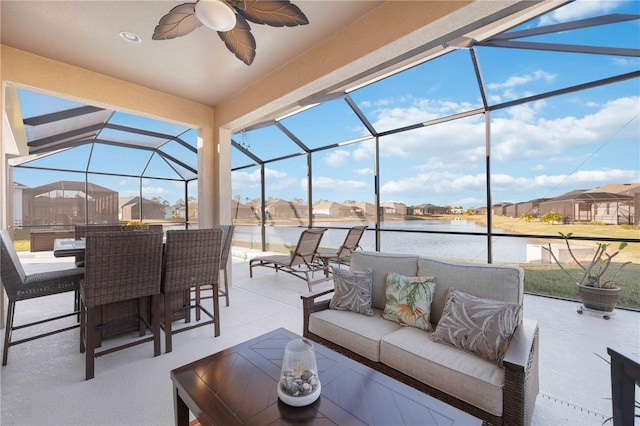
[(501, 392)]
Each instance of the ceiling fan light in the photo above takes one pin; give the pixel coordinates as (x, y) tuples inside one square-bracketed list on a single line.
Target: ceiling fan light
[(216, 14)]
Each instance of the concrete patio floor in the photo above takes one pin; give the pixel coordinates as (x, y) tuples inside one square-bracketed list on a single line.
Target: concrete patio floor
[(43, 383)]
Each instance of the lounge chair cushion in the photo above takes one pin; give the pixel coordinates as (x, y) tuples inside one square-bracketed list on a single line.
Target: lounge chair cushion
[(409, 300), (474, 324), (359, 333), (352, 291)]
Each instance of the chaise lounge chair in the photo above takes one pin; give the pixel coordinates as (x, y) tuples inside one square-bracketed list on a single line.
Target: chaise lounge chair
[(301, 263), (342, 256)]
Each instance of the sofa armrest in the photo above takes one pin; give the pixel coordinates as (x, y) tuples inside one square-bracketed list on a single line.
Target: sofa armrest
[(521, 382), (309, 306)]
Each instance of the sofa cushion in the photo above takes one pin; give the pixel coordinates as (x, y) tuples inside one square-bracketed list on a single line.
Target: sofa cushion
[(497, 282), (481, 326), (381, 264), (409, 300), (358, 333), (453, 371), (352, 291)]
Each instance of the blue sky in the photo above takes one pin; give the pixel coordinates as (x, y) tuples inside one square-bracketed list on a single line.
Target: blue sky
[(541, 149), (580, 140)]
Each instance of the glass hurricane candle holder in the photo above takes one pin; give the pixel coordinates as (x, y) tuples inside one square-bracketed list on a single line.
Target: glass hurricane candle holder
[(299, 384)]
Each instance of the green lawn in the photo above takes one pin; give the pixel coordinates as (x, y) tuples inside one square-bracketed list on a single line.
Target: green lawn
[(549, 280)]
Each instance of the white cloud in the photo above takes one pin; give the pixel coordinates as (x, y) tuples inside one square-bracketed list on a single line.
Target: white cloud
[(323, 183), (438, 183), (337, 158), (579, 10), (153, 191), (243, 180), (364, 172), (587, 178), (538, 167), (428, 187), (527, 135), (519, 80), (509, 86), (364, 150), (275, 180), (469, 201)]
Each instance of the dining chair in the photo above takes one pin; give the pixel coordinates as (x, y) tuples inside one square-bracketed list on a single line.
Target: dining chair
[(227, 238), (191, 260), (120, 267), (80, 231), (20, 286)]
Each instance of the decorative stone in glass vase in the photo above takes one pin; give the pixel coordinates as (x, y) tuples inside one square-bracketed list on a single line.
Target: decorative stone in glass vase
[(299, 384)]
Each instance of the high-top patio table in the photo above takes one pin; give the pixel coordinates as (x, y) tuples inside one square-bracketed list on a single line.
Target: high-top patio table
[(237, 386), (69, 247)]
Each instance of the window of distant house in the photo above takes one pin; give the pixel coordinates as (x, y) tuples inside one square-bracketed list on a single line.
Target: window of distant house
[(607, 208)]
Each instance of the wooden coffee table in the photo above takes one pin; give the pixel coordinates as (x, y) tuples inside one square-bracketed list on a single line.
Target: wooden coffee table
[(237, 386)]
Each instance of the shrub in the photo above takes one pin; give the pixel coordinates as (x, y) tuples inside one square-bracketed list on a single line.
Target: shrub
[(552, 217), (527, 217)]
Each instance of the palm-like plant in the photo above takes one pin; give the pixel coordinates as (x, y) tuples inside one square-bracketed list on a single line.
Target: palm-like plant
[(595, 269)]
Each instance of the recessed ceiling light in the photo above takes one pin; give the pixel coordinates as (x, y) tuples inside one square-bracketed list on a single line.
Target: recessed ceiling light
[(130, 37)]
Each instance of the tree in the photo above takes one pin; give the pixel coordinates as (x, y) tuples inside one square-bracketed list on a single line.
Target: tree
[(297, 200)]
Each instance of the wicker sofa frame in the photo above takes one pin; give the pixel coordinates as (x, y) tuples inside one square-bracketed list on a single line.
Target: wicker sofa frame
[(520, 369)]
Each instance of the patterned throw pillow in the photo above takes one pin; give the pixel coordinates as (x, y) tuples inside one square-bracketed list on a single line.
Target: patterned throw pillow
[(481, 326), (352, 291), (409, 300)]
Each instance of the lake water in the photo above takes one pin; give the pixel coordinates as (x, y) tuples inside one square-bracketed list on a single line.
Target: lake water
[(467, 247)]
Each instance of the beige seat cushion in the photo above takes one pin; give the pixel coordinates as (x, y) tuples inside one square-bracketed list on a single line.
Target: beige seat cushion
[(358, 333), (453, 371)]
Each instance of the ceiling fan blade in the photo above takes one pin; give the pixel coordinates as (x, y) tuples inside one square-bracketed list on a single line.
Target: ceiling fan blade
[(276, 13), (180, 20), (240, 41)]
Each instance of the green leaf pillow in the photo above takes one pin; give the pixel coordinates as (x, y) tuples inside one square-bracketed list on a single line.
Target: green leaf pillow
[(409, 300)]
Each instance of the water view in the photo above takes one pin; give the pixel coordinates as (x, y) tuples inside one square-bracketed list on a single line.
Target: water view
[(467, 247)]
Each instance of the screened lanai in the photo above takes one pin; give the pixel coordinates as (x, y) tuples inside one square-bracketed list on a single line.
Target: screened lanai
[(459, 153), (489, 123), (92, 165)]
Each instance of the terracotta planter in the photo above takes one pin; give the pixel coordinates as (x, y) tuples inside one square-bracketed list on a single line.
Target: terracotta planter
[(600, 299)]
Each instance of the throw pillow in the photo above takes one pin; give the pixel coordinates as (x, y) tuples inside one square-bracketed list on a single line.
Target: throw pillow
[(481, 326), (409, 300), (352, 291)]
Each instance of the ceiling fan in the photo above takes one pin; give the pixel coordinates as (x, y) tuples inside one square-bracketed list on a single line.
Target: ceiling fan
[(229, 18)]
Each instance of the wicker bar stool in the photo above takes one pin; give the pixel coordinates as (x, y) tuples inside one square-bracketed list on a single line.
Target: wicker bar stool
[(119, 267), (191, 260), (227, 237), (80, 231), (20, 286)]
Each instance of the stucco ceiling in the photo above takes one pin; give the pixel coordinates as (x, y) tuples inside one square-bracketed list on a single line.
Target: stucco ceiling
[(196, 66)]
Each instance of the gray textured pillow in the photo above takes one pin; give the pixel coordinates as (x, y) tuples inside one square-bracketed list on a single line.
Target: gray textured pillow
[(481, 326), (352, 291)]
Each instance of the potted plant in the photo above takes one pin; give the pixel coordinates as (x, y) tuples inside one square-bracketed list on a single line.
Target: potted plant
[(594, 292)]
